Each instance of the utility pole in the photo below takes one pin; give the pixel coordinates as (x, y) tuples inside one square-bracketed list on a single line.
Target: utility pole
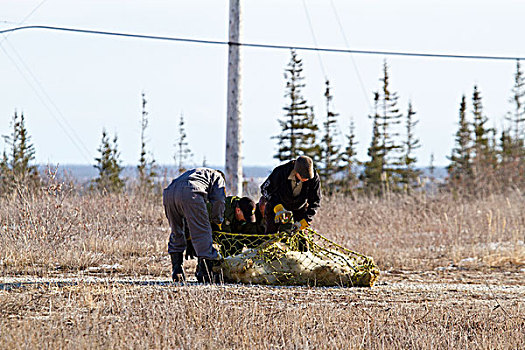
[(233, 125)]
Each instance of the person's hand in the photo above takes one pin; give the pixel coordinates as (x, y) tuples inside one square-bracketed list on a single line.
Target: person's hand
[(301, 225), (282, 215), (190, 250)]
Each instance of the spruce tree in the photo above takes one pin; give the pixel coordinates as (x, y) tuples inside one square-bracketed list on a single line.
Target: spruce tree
[(108, 166), (483, 153), (307, 137), (514, 154), (374, 168), (329, 148), (16, 164), (182, 151), (460, 167), (294, 139), (506, 149), (146, 168), (431, 166), (349, 162), (409, 173), (517, 116), (388, 123)]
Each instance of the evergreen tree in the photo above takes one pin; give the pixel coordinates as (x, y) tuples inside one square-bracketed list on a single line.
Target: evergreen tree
[(460, 167), (373, 173), (409, 173), (514, 152), (307, 137), (506, 149), (146, 169), (389, 119), (182, 153), (483, 156), (349, 161), (5, 175), (295, 138), (16, 164), (329, 149), (108, 166), (517, 116), (431, 166)]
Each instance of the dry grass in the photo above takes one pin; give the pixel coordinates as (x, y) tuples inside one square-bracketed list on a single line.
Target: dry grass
[(225, 317), (61, 233)]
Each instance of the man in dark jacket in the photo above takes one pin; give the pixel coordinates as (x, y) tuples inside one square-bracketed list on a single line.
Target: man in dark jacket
[(296, 186), (185, 204)]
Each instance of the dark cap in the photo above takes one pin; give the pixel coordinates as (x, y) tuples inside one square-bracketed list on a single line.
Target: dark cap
[(247, 207), (304, 166)]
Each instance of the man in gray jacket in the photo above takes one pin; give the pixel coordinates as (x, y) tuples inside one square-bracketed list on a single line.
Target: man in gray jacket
[(185, 204)]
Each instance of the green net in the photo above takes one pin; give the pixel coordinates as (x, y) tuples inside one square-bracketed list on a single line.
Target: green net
[(292, 258)]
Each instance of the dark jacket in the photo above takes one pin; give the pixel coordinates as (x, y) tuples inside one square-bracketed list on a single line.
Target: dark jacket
[(277, 189)]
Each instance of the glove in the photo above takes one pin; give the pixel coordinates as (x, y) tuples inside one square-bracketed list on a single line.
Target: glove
[(282, 215), (301, 225), (190, 250)]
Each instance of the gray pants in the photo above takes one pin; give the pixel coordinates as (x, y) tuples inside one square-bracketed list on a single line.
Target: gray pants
[(183, 206)]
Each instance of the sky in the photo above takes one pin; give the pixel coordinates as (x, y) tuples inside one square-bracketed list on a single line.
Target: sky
[(71, 86)]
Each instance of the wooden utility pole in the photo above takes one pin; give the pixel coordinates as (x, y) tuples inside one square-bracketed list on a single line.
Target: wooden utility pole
[(233, 125)]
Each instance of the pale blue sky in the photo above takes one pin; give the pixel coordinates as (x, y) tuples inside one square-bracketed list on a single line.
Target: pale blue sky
[(70, 86)]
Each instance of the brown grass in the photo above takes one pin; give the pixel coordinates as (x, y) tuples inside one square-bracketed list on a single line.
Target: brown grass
[(60, 233), (216, 317)]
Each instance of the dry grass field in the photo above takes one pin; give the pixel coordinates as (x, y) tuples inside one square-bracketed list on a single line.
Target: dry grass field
[(92, 271)]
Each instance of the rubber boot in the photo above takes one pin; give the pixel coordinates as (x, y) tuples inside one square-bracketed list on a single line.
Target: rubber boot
[(177, 273), (205, 273)]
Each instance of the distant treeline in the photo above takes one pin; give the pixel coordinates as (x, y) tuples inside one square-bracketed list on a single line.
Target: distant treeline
[(483, 159)]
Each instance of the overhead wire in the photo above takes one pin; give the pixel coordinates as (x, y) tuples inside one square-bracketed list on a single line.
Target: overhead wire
[(347, 44), (78, 142), (33, 11), (266, 46), (25, 18), (75, 139), (314, 39)]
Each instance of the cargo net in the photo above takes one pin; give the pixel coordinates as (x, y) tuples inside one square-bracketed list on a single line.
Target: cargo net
[(292, 258)]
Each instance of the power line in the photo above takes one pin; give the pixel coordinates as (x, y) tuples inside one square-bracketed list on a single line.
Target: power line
[(25, 18), (347, 44), (73, 136), (267, 46), (315, 39), (44, 102), (46, 95), (33, 11)]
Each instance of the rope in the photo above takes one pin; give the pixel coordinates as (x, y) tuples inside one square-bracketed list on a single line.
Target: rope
[(292, 258)]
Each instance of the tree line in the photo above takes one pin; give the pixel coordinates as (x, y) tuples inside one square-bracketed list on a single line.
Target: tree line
[(18, 168), (482, 158)]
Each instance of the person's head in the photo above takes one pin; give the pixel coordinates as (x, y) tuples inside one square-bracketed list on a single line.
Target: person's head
[(262, 205), (304, 168), (245, 210)]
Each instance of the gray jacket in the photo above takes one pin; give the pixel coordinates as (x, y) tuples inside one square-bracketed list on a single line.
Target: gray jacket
[(210, 184)]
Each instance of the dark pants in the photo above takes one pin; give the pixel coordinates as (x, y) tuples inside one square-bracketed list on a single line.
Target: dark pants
[(181, 202)]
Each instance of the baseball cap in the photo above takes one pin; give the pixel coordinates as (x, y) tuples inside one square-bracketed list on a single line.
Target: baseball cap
[(247, 207)]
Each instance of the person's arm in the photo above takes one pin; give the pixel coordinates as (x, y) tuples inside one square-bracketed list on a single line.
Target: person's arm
[(314, 198), (270, 186)]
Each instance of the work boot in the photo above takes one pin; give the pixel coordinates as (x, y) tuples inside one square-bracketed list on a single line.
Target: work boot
[(205, 273), (177, 273)]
